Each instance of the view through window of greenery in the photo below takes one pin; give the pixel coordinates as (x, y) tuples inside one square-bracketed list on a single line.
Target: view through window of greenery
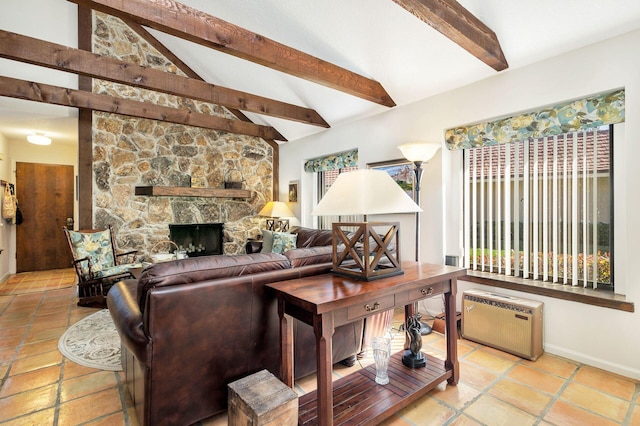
[(542, 209)]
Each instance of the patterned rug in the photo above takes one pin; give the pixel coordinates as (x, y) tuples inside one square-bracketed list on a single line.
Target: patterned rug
[(93, 342)]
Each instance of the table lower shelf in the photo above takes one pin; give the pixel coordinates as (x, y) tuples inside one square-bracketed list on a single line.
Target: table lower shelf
[(359, 400)]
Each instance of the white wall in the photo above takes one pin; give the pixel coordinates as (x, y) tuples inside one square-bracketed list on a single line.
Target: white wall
[(596, 336), (6, 229)]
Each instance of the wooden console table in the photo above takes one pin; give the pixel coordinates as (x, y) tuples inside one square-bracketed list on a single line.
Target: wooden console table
[(328, 301)]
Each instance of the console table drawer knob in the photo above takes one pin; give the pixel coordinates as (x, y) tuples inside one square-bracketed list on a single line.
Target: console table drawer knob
[(370, 307), (426, 292), (375, 307)]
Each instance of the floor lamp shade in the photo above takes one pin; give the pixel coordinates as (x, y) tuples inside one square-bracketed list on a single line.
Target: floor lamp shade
[(419, 151), (365, 250)]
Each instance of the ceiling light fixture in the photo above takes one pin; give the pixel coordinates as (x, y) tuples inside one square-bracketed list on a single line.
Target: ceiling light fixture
[(38, 139)]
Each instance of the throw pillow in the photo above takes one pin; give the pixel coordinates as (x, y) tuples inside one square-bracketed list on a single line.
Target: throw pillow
[(283, 241), (267, 241)]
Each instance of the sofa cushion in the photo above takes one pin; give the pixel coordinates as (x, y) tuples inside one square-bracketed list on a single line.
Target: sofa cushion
[(206, 268), (267, 241), (309, 256), (283, 241), (308, 237)]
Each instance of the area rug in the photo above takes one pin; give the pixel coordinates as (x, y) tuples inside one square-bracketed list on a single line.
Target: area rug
[(93, 342)]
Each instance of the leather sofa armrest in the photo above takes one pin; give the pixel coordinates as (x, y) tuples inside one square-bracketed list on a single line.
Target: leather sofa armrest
[(127, 318)]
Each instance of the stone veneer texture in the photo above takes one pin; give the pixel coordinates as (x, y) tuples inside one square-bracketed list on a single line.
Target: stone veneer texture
[(130, 152)]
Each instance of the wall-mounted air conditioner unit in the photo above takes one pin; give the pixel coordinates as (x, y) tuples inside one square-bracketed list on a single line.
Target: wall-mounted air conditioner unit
[(503, 322)]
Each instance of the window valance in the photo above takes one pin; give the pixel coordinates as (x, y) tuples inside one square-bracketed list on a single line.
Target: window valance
[(332, 162), (594, 111)]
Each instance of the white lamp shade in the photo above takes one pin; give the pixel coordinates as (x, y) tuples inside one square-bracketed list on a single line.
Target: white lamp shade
[(276, 209), (419, 151), (365, 191)]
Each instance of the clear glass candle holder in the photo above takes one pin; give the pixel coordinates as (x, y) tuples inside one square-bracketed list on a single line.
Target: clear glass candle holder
[(381, 353)]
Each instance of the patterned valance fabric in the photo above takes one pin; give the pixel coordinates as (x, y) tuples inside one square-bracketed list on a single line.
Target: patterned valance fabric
[(332, 162), (595, 111)]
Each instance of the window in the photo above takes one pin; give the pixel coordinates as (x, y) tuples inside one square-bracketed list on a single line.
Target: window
[(401, 171), (541, 209), (325, 180)]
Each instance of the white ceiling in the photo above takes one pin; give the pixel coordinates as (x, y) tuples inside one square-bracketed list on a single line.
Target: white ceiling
[(374, 38)]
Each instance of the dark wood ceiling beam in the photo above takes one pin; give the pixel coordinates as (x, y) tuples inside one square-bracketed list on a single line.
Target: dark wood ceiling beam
[(182, 66), (43, 53), (85, 130), (191, 24), (461, 27), (38, 92)]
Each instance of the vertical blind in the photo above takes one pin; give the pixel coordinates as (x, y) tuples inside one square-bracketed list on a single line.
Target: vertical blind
[(540, 208), (325, 180)]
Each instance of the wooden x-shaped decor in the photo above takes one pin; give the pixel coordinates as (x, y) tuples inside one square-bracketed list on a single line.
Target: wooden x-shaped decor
[(366, 250)]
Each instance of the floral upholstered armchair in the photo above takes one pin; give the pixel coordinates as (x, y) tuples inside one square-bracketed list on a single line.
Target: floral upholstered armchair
[(97, 263)]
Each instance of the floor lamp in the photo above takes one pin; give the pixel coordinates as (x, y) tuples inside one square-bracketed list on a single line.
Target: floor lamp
[(419, 153)]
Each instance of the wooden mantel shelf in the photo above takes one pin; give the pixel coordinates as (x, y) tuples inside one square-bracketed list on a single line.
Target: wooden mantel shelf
[(179, 191)]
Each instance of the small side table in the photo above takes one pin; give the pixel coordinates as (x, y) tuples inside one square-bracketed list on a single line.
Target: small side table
[(253, 245), (262, 400)]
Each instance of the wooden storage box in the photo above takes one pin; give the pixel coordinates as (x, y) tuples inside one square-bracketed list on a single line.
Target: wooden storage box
[(261, 399)]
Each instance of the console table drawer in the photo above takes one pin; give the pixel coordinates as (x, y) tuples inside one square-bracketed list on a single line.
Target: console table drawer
[(428, 290), (375, 305)]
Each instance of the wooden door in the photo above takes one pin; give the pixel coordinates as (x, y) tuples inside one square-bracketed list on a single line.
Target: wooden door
[(45, 197)]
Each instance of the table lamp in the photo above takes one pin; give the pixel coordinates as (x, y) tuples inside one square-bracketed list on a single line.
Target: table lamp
[(275, 211), (365, 250)]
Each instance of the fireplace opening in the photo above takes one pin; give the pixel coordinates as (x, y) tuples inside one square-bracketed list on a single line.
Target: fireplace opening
[(198, 239)]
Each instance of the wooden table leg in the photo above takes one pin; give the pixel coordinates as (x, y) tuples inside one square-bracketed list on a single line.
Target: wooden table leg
[(451, 326), (323, 328), (286, 346)]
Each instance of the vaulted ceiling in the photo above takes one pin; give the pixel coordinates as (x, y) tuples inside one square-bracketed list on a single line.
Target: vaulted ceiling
[(299, 67)]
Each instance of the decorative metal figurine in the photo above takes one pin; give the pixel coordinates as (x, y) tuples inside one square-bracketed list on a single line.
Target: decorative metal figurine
[(413, 357)]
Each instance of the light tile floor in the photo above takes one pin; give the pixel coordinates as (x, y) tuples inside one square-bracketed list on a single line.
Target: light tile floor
[(41, 387)]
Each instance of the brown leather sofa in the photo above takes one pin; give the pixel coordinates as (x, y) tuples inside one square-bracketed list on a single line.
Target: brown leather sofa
[(189, 327)]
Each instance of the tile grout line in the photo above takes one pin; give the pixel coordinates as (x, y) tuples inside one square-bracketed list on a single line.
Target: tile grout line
[(481, 392), (10, 363), (633, 405), (21, 345), (63, 364)]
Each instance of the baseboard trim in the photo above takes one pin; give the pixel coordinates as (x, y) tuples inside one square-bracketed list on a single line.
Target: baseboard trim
[(632, 373)]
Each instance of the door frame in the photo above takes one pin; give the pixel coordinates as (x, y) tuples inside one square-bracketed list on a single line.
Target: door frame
[(35, 155)]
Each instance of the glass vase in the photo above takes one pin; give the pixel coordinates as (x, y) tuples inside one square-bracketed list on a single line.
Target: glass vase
[(381, 353)]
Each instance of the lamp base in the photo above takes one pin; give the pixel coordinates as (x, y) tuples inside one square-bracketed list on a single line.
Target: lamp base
[(366, 250), (277, 225), (425, 328), (356, 275), (271, 224)]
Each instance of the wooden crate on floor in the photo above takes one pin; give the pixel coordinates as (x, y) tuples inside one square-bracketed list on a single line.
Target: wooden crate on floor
[(260, 400)]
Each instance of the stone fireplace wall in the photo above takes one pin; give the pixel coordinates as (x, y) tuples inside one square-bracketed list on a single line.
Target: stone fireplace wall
[(130, 152)]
